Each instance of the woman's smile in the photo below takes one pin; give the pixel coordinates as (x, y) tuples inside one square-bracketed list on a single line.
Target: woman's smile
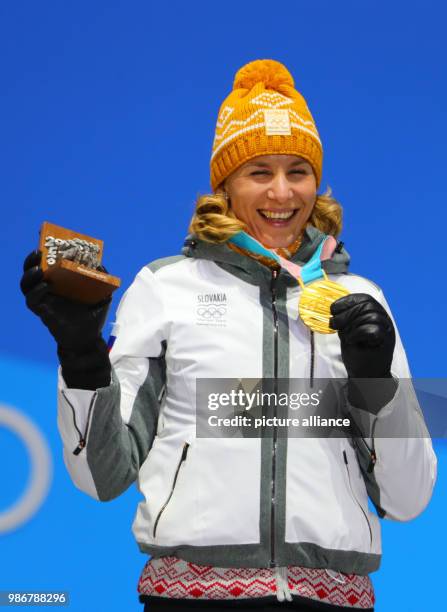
[(277, 217)]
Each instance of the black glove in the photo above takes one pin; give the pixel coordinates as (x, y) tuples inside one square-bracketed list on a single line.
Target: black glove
[(76, 327), (367, 338)]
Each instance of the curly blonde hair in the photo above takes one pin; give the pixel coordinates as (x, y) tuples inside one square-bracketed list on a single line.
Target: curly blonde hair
[(214, 221)]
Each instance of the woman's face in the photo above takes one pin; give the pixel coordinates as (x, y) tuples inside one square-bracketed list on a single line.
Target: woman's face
[(274, 195)]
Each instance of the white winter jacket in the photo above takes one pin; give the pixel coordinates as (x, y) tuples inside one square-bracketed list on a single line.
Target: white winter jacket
[(262, 502)]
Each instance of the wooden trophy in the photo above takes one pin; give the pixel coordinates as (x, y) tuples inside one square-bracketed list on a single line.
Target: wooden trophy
[(70, 261)]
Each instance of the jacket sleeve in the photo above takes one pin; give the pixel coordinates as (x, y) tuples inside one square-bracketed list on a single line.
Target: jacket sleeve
[(394, 447), (108, 433)]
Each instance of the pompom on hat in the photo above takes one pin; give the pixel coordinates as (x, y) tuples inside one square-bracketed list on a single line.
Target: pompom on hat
[(263, 115)]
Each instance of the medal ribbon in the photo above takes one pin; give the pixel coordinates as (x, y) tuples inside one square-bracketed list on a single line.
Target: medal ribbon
[(309, 272)]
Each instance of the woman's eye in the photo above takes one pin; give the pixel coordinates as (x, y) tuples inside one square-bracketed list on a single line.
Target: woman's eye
[(259, 172), (298, 172)]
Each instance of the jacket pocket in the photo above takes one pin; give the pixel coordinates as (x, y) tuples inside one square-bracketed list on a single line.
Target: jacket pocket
[(82, 435), (165, 505), (356, 500)]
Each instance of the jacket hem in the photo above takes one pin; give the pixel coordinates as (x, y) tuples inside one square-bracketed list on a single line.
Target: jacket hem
[(254, 555)]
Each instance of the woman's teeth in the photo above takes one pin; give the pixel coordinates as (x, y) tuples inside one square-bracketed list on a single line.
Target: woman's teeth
[(283, 216)]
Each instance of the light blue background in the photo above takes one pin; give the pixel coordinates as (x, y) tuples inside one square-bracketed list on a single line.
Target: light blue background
[(107, 119)]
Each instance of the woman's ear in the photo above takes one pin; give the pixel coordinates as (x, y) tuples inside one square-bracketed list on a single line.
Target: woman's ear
[(221, 190)]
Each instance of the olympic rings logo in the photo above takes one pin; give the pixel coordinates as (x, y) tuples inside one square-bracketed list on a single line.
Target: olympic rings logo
[(41, 469), (211, 311)]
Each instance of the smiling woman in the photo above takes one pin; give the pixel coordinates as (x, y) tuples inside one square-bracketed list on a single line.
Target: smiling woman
[(230, 520), (220, 215)]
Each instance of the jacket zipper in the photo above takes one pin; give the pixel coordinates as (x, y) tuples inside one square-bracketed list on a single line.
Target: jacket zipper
[(274, 441), (356, 500), (82, 436), (163, 508)]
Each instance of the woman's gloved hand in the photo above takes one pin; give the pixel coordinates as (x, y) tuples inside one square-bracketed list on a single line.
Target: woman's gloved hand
[(76, 327), (366, 334), (367, 338)]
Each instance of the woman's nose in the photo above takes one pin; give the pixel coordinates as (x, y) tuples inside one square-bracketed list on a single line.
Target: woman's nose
[(280, 189)]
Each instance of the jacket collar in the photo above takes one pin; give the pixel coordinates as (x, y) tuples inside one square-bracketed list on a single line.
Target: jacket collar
[(227, 258)]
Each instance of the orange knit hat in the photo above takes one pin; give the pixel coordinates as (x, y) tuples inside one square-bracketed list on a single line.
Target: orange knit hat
[(263, 115)]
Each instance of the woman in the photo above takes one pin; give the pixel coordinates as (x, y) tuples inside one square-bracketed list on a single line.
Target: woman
[(271, 521)]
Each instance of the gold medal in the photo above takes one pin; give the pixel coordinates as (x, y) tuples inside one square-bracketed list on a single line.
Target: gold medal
[(315, 303), (317, 295)]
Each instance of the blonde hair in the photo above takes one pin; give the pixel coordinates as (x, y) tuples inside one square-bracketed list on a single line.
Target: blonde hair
[(214, 221)]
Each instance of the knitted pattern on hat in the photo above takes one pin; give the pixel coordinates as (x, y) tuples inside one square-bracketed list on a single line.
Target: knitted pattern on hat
[(263, 115)]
